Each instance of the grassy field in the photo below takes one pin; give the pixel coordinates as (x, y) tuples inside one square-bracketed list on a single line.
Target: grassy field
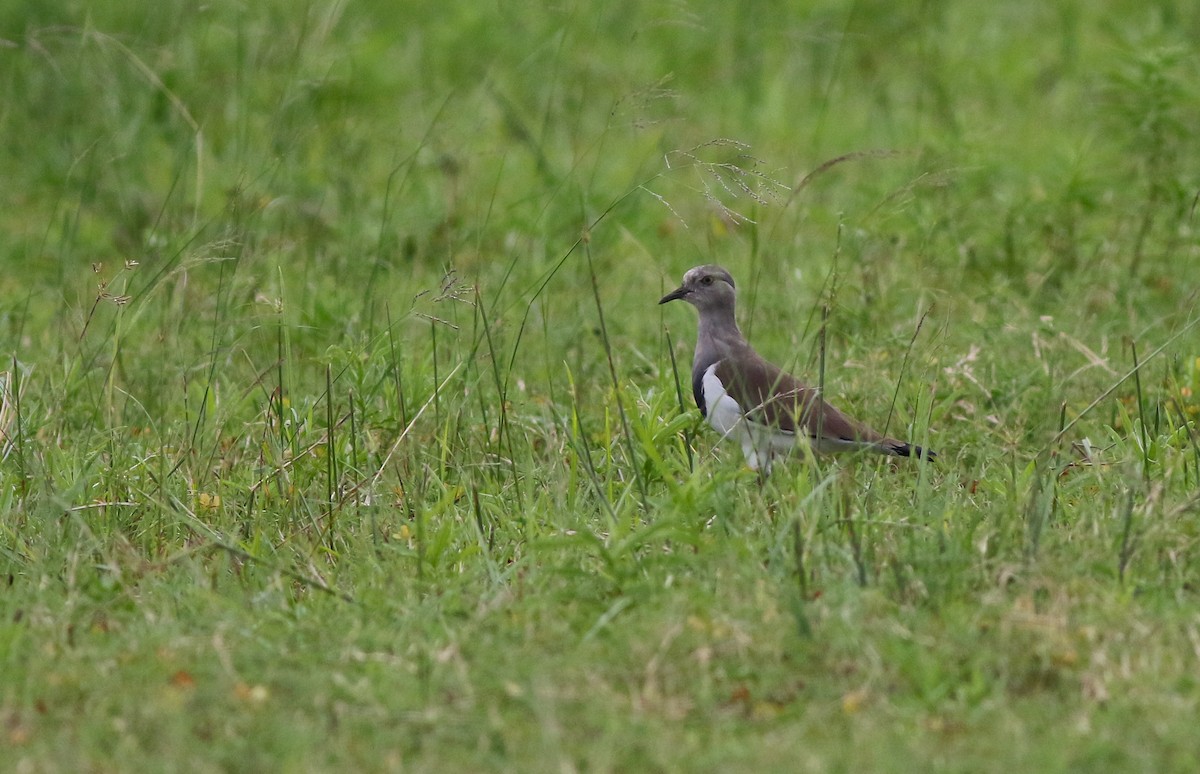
[(341, 429)]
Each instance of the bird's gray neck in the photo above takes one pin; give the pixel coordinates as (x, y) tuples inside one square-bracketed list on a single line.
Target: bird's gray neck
[(718, 337)]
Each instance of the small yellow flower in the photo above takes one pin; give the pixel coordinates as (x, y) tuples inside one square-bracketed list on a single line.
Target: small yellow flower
[(853, 701)]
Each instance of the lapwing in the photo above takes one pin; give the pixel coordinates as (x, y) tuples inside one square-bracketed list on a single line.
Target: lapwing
[(744, 397)]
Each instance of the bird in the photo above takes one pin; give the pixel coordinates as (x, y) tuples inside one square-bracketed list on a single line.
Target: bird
[(748, 399)]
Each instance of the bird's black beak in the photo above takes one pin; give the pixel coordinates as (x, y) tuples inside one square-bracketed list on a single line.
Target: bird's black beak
[(675, 294)]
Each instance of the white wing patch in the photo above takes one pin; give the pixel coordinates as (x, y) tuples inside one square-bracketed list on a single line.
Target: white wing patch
[(723, 412)]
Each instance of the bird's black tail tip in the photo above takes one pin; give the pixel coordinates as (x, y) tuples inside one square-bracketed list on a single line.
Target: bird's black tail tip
[(912, 450)]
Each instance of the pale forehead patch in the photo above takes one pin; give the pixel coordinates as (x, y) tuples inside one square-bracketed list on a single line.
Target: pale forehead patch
[(694, 275)]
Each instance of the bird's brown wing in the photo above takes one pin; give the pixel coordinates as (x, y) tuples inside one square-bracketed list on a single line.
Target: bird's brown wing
[(770, 396)]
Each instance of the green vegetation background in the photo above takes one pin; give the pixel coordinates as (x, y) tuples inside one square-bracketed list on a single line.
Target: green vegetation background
[(341, 429)]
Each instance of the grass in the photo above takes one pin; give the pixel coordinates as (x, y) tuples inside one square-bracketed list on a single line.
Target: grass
[(341, 428)]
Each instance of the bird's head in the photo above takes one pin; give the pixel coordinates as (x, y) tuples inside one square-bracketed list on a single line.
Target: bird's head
[(705, 287)]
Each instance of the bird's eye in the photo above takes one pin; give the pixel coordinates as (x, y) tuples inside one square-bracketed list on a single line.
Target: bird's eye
[(706, 280)]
